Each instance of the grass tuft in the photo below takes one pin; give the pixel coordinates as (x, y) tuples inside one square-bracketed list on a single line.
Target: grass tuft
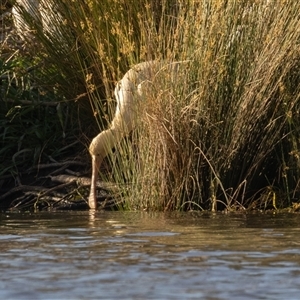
[(222, 133)]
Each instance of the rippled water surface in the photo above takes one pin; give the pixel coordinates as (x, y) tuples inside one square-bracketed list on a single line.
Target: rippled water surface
[(117, 255)]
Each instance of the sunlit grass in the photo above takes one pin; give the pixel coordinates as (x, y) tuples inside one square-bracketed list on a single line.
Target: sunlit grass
[(222, 133)]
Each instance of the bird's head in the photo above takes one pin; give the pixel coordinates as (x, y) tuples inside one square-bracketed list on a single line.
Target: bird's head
[(101, 144)]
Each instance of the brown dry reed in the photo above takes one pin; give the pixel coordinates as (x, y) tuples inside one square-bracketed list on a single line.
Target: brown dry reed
[(221, 133)]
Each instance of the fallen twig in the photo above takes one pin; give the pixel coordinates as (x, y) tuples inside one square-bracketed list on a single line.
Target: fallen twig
[(84, 181), (22, 188)]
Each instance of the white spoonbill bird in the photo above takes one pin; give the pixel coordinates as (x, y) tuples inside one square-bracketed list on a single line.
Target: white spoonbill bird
[(128, 92)]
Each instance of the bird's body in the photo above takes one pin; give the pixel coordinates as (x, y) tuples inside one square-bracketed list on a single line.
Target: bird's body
[(129, 92)]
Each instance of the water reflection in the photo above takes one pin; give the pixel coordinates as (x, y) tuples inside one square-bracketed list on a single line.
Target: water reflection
[(93, 255)]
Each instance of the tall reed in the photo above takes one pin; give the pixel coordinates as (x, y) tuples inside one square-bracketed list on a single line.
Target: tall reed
[(223, 132)]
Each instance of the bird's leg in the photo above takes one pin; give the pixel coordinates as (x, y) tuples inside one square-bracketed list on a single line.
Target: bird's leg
[(96, 161)]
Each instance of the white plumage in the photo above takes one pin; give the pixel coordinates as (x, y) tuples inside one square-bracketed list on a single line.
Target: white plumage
[(129, 92)]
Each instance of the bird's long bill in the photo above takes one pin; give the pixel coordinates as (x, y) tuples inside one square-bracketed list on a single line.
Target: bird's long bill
[(96, 161)]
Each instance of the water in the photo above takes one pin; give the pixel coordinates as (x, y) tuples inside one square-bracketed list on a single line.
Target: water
[(117, 255)]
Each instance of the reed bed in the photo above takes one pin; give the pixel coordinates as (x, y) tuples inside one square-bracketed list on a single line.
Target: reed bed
[(221, 133)]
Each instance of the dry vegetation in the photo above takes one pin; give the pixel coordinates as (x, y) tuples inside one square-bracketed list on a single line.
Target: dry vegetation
[(223, 133)]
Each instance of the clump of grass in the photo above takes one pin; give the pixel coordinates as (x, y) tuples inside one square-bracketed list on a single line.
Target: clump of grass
[(35, 123), (213, 139), (36, 120), (223, 132)]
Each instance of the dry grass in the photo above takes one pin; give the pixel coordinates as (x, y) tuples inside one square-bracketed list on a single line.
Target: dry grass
[(221, 134)]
